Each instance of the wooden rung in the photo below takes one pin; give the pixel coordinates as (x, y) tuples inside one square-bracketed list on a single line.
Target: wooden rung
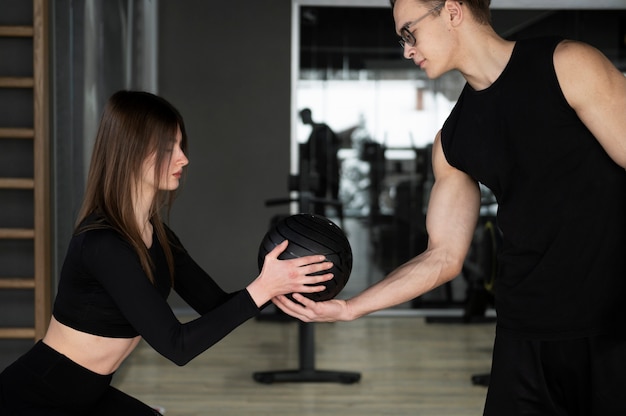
[(16, 133), (16, 233), (17, 333), (17, 183), (16, 82), (17, 283), (16, 31)]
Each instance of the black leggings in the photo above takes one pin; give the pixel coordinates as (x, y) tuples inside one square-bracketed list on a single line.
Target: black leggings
[(44, 382)]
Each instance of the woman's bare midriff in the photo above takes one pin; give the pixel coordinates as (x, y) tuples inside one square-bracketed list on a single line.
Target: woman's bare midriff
[(101, 355)]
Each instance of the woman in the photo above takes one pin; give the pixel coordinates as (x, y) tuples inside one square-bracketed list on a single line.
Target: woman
[(120, 266)]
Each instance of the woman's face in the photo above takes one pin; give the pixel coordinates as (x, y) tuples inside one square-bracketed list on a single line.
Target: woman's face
[(171, 170)]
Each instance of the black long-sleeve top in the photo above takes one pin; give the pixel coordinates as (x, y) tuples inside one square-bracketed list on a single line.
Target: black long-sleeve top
[(104, 291)]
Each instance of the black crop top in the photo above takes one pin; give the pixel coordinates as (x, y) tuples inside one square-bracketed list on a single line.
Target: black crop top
[(104, 291)]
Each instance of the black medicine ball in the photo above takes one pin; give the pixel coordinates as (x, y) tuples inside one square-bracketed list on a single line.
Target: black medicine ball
[(311, 234)]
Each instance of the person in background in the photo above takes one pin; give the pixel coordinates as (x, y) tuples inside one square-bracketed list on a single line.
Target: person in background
[(122, 263), (541, 123), (320, 151)]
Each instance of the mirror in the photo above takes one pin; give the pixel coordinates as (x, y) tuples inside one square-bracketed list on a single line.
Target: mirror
[(348, 69)]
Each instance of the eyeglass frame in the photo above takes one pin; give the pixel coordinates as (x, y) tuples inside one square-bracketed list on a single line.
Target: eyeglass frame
[(406, 36)]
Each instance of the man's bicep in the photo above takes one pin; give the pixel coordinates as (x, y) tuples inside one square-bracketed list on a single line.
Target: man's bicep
[(453, 207)]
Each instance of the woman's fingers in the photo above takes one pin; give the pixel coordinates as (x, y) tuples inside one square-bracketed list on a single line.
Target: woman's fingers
[(316, 267), (276, 251), (298, 261)]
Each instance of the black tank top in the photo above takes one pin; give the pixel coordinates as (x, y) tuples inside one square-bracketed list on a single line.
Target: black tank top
[(561, 199)]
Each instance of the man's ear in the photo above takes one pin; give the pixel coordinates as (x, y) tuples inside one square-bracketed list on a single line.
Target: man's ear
[(455, 10)]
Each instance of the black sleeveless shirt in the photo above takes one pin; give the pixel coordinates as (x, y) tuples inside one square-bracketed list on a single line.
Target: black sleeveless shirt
[(561, 199)]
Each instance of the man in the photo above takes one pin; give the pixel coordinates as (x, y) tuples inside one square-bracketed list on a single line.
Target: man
[(320, 151), (541, 122)]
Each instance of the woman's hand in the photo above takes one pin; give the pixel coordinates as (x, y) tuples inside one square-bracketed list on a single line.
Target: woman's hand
[(280, 277)]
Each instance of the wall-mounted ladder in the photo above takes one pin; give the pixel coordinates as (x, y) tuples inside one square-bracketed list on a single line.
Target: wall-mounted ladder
[(39, 184)]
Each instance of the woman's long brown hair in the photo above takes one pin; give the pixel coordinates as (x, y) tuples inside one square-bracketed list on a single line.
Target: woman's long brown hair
[(133, 126)]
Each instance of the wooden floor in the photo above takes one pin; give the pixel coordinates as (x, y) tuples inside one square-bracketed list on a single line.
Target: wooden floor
[(407, 367)]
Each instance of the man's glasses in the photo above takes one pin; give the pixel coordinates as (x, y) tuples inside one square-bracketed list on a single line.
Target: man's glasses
[(406, 36)]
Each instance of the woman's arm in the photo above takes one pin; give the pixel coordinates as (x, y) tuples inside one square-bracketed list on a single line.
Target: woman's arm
[(116, 266)]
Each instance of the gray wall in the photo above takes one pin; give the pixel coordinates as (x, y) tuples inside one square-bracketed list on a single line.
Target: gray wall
[(226, 66)]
